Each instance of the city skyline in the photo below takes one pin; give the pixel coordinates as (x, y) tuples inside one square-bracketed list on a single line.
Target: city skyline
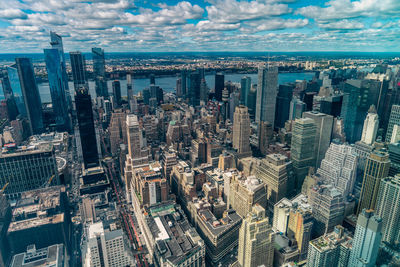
[(211, 25)]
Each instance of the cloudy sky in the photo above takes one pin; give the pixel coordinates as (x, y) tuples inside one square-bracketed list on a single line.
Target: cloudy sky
[(197, 25)]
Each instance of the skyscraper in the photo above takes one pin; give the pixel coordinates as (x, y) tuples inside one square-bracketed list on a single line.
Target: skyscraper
[(256, 240), (366, 241), (219, 86), (116, 86), (203, 91), (371, 125), (57, 88), (376, 168), (324, 125), (245, 86), (265, 135), (83, 103), (33, 104), (129, 90), (393, 120), (194, 88), (388, 208), (283, 100), (302, 148), (241, 130), (99, 72), (267, 90), (78, 67), (12, 109), (297, 107)]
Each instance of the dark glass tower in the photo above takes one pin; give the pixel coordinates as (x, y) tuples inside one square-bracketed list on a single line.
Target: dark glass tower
[(194, 88), (15, 84), (57, 88), (116, 86), (12, 109), (83, 103), (78, 67), (99, 72), (33, 104), (285, 94), (219, 85)]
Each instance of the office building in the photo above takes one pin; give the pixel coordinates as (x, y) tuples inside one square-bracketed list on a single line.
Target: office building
[(241, 130), (116, 87), (324, 125), (394, 156), (276, 171), (265, 136), (30, 92), (53, 255), (251, 100), (27, 168), (171, 240), (376, 168), (267, 90), (331, 105), (370, 128), (244, 193), (328, 208), (302, 148), (84, 112), (394, 119), (78, 67), (331, 249), (283, 100), (203, 91), (339, 167), (129, 91), (297, 107), (99, 72), (219, 86), (58, 92), (10, 100), (117, 130), (245, 86), (256, 240), (367, 239), (194, 88), (388, 208), (178, 88), (105, 247)]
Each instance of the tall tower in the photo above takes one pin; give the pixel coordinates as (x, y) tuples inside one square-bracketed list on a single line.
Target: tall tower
[(78, 67), (388, 208), (33, 104), (394, 119), (57, 88), (15, 84), (367, 239), (256, 240), (302, 148), (116, 86), (376, 168), (129, 90), (219, 86), (267, 90), (371, 125), (241, 130), (99, 71), (245, 85)]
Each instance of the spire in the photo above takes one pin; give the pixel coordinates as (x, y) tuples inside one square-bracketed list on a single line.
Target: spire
[(372, 109)]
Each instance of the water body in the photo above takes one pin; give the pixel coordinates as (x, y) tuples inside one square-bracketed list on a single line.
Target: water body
[(168, 84)]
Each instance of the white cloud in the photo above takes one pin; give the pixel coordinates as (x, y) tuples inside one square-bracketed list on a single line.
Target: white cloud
[(12, 13), (344, 24)]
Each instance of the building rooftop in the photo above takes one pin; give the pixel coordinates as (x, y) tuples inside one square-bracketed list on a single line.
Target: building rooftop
[(50, 256), (331, 240), (11, 150), (217, 227)]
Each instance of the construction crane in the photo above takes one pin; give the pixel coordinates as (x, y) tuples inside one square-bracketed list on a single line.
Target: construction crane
[(4, 188), (47, 184)]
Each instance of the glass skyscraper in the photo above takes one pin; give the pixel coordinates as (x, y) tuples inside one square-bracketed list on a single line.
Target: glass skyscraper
[(99, 72), (33, 104), (12, 109), (57, 88), (15, 84), (267, 90), (78, 67)]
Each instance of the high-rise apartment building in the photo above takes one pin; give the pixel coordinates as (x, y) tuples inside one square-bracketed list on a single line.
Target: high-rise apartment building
[(394, 119), (276, 171), (105, 247), (302, 148), (339, 167), (99, 72), (78, 67), (388, 208), (324, 125), (30, 92), (219, 86), (267, 90), (256, 240), (366, 241), (83, 104), (241, 130), (376, 168), (371, 125)]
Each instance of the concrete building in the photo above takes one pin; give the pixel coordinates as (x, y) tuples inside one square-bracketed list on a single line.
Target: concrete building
[(265, 136), (388, 208), (394, 119), (371, 125), (256, 240), (244, 193), (105, 247), (267, 90), (276, 171), (53, 255), (339, 167), (302, 149), (330, 250), (367, 239), (394, 156), (324, 125), (117, 129), (376, 168), (241, 130)]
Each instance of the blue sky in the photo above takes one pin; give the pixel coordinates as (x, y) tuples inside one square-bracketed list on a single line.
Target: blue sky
[(211, 25)]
